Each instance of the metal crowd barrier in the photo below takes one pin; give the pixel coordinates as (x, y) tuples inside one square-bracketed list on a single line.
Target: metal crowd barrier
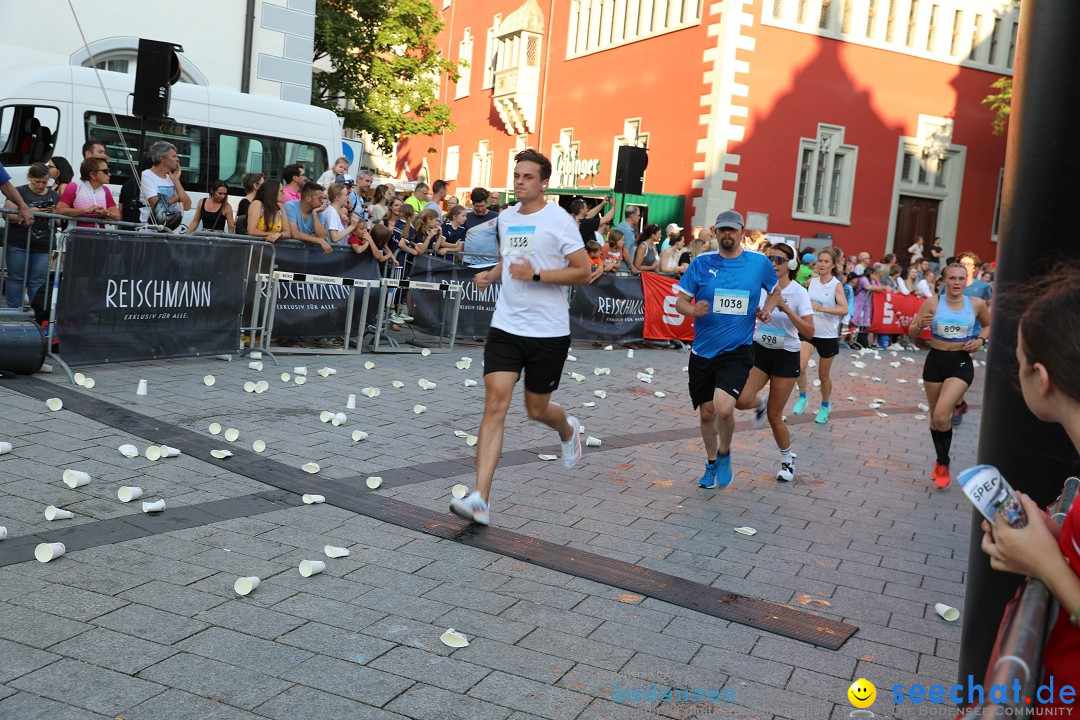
[(1024, 636)]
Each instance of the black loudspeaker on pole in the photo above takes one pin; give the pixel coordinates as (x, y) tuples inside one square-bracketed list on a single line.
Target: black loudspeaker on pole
[(1040, 205), (630, 169), (156, 71)]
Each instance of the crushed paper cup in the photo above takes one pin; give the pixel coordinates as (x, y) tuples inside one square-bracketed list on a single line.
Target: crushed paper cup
[(853, 374), (299, 379), (452, 638), (3, 532), (313, 499), (221, 454), (310, 467), (215, 428), (469, 383), (371, 392), (908, 359), (425, 384), (5, 448), (902, 381), (882, 415), (129, 451), (339, 419), (577, 376), (326, 416), (817, 382), (325, 372), (879, 401), (350, 404), (335, 552), (876, 379), (459, 491), (398, 384), (419, 408), (859, 364), (54, 404), (302, 370), (255, 365), (461, 434), (471, 440), (286, 377), (588, 404), (592, 441), (244, 585), (425, 352), (895, 364), (609, 347), (946, 612), (811, 363), (920, 417), (746, 530), (249, 386), (232, 434), (311, 567), (373, 482), (461, 365), (874, 405), (548, 457), (358, 435), (90, 383), (75, 478), (141, 390), (600, 394), (127, 493), (369, 365), (258, 446), (852, 398), (45, 552), (153, 452), (54, 513), (659, 394), (209, 380), (262, 386), (571, 358), (153, 507), (650, 371)]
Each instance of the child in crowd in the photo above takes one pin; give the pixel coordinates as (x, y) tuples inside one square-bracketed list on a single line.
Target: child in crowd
[(596, 260)]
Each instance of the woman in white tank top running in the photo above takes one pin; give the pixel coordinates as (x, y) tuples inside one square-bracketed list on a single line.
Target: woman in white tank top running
[(830, 306)]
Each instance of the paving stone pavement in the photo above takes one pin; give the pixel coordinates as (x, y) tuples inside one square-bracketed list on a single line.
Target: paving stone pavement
[(150, 628)]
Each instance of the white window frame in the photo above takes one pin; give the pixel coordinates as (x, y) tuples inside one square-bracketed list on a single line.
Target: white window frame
[(491, 44), (465, 51), (452, 162), (820, 199), (482, 161), (597, 25)]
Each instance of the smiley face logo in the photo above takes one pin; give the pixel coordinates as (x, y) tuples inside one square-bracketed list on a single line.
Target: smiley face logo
[(862, 693)]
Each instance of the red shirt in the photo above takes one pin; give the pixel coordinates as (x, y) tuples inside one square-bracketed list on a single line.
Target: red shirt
[(1061, 659)]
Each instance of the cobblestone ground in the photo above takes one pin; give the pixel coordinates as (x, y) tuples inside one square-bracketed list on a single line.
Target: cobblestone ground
[(150, 628)]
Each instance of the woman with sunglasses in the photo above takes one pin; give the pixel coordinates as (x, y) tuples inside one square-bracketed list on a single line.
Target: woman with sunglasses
[(90, 196), (776, 355)]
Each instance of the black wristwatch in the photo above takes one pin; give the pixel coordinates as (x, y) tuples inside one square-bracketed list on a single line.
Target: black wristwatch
[(536, 277)]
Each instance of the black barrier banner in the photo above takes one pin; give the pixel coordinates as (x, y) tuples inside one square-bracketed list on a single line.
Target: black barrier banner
[(432, 308), (611, 309), (316, 309), (139, 296)]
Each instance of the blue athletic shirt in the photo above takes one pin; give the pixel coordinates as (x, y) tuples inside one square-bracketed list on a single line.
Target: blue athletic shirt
[(733, 288), (954, 325)]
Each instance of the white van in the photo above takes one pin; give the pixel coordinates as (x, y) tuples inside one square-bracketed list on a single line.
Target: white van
[(218, 134)]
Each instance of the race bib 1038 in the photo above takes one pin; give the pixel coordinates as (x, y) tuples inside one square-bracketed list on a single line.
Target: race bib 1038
[(731, 302)]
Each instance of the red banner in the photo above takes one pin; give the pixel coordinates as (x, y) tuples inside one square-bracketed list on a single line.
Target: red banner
[(894, 313), (662, 321)]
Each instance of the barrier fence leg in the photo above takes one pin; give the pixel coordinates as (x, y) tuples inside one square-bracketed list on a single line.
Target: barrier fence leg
[(457, 309)]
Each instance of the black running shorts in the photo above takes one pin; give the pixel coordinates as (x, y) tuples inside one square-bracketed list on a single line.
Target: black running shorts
[(542, 359), (944, 364), (776, 362), (727, 371)]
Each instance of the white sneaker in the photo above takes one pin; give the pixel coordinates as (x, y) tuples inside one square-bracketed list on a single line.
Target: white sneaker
[(405, 316), (472, 508), (571, 449), (396, 319), (761, 415), (787, 471)]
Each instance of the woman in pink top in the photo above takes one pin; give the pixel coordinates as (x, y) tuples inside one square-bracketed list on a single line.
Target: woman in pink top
[(89, 197)]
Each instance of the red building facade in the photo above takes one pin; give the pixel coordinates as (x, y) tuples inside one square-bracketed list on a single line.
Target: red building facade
[(859, 119)]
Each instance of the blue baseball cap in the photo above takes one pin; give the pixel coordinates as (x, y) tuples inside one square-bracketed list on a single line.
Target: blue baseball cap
[(807, 258)]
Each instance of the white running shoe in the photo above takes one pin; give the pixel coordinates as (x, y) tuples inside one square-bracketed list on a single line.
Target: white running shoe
[(761, 414), (472, 508), (571, 449), (396, 319), (787, 471)]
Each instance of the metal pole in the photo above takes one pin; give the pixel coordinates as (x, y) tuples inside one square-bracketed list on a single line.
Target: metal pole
[(1040, 200)]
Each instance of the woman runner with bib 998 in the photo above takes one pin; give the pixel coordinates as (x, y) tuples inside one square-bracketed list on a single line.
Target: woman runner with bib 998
[(776, 355), (948, 371)]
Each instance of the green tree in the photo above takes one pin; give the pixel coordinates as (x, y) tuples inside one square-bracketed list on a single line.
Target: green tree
[(386, 67), (1000, 102)]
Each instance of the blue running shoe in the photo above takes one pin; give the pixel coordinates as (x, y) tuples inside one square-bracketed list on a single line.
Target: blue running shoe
[(708, 480), (800, 406), (723, 470)]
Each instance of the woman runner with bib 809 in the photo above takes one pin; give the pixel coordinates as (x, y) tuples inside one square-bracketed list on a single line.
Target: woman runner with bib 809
[(948, 371)]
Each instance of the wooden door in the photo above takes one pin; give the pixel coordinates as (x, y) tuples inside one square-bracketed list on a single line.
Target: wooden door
[(915, 216)]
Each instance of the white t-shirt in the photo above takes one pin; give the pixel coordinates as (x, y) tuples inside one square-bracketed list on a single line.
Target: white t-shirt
[(923, 289), (331, 220), (780, 332), (152, 186), (545, 238), (825, 325)]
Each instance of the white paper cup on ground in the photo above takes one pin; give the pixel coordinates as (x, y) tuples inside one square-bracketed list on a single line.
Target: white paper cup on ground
[(54, 404), (244, 585), (373, 482), (946, 612), (286, 377), (459, 491), (255, 365), (262, 386), (54, 513), (45, 552), (425, 352), (311, 567), (419, 408), (79, 379), (339, 419), (326, 416), (129, 451), (310, 467), (232, 434), (3, 532), (336, 552), (249, 386), (167, 451), (214, 429), (255, 355), (600, 394), (153, 452), (299, 379), (141, 390), (89, 383), (313, 499), (350, 404), (592, 441), (209, 380), (452, 638), (369, 365), (398, 384), (469, 383), (371, 392), (221, 454), (75, 478), (358, 435), (629, 353), (471, 440), (127, 493), (153, 507), (299, 370), (258, 446)]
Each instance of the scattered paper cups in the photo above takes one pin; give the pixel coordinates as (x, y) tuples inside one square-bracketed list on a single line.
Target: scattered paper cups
[(244, 585), (609, 347), (946, 612), (3, 532), (127, 493), (461, 365), (571, 358), (629, 353), (262, 386), (249, 386), (659, 394), (369, 365), (592, 441), (76, 478), (335, 552), (54, 513), (600, 394), (371, 392), (471, 440), (215, 428), (548, 457), (469, 383), (350, 404), (153, 452), (358, 435), (258, 446), (221, 454), (54, 404), (419, 408), (326, 416), (256, 355), (5, 448), (459, 491), (89, 383), (373, 482), (255, 365), (141, 390), (79, 379), (311, 567), (313, 499), (339, 419), (426, 384), (153, 507), (425, 352), (452, 638), (232, 434), (310, 467), (588, 404), (398, 384), (299, 379), (167, 451), (299, 370), (286, 377), (45, 552), (209, 380)]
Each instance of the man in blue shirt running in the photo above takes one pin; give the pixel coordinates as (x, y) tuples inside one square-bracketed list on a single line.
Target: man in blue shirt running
[(722, 290)]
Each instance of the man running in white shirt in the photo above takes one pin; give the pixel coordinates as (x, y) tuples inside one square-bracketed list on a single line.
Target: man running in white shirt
[(530, 330)]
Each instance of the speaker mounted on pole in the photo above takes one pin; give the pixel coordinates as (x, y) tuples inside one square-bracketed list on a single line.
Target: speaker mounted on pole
[(630, 169), (157, 70)]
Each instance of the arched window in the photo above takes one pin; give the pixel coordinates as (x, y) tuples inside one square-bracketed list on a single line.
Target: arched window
[(121, 54)]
